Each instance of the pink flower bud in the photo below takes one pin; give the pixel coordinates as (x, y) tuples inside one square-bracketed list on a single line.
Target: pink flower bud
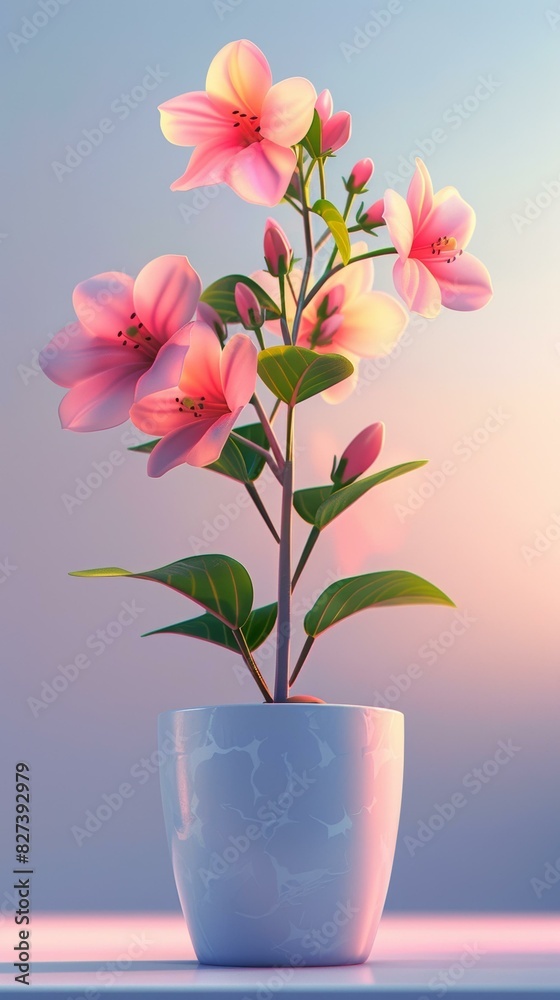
[(207, 314), (277, 250), (324, 105), (336, 131), (360, 454), (361, 174), (248, 306), (373, 216)]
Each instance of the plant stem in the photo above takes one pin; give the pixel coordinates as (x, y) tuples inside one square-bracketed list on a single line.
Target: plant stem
[(302, 657), (281, 683), (260, 451), (267, 427), (258, 334), (292, 203), (249, 660), (322, 185), (286, 336), (253, 493), (353, 260), (309, 546), (274, 411), (308, 249)]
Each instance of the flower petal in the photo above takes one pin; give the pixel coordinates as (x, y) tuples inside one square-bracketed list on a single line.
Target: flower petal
[(103, 304), (287, 111), (201, 369), (207, 163), (192, 118), (417, 286), (356, 278), (158, 412), (209, 447), (101, 401), (261, 172), (324, 105), (238, 367), (420, 194), (371, 325), (450, 215), (465, 283), (399, 222), (238, 78), (339, 392), (165, 295), (75, 354), (200, 443), (165, 371)]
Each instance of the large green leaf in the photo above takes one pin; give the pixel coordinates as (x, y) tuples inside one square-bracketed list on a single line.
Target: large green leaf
[(307, 502), (221, 296), (339, 232), (391, 587), (236, 461), (256, 629), (218, 583), (296, 373), (342, 498)]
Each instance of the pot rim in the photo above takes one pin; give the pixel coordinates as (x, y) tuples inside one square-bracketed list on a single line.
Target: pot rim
[(279, 704)]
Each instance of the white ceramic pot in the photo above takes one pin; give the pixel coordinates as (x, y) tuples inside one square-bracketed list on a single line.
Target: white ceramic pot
[(282, 821)]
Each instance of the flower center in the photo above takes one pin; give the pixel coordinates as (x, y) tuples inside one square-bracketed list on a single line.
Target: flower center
[(137, 337), (329, 318), (445, 249), (249, 126)]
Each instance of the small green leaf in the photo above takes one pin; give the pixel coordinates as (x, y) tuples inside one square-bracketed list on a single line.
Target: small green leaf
[(256, 629), (146, 447), (332, 217), (221, 296), (389, 588), (296, 373), (312, 141), (254, 463), (307, 502), (218, 583), (231, 463), (342, 498)]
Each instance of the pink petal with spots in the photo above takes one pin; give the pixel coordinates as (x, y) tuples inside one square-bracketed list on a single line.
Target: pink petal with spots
[(75, 354), (238, 78), (192, 118)]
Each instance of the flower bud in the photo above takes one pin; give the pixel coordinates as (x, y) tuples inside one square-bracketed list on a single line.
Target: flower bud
[(278, 253), (207, 314), (361, 174), (373, 216), (248, 307), (359, 455), (336, 131), (324, 105)]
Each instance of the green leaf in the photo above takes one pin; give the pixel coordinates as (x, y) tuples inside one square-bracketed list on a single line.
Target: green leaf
[(254, 463), (342, 498), (257, 628), (221, 296), (330, 214), (296, 373), (231, 463), (389, 588), (218, 583), (307, 502), (146, 447), (312, 141)]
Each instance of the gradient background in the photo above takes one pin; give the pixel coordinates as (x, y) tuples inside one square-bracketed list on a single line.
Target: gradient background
[(474, 536)]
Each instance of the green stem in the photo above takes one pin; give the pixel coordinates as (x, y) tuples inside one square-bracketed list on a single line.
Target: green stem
[(258, 334), (292, 203), (353, 260), (249, 660), (309, 546), (322, 183), (267, 427), (283, 321), (302, 657), (281, 683), (309, 252), (254, 494)]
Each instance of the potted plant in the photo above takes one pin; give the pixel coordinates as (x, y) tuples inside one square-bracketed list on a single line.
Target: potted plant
[(281, 814)]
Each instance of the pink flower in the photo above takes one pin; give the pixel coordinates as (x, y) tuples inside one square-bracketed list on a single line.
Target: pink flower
[(248, 306), (430, 232), (360, 176), (278, 253), (335, 129), (345, 317), (242, 126), (195, 396), (373, 216), (360, 454), (122, 325)]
